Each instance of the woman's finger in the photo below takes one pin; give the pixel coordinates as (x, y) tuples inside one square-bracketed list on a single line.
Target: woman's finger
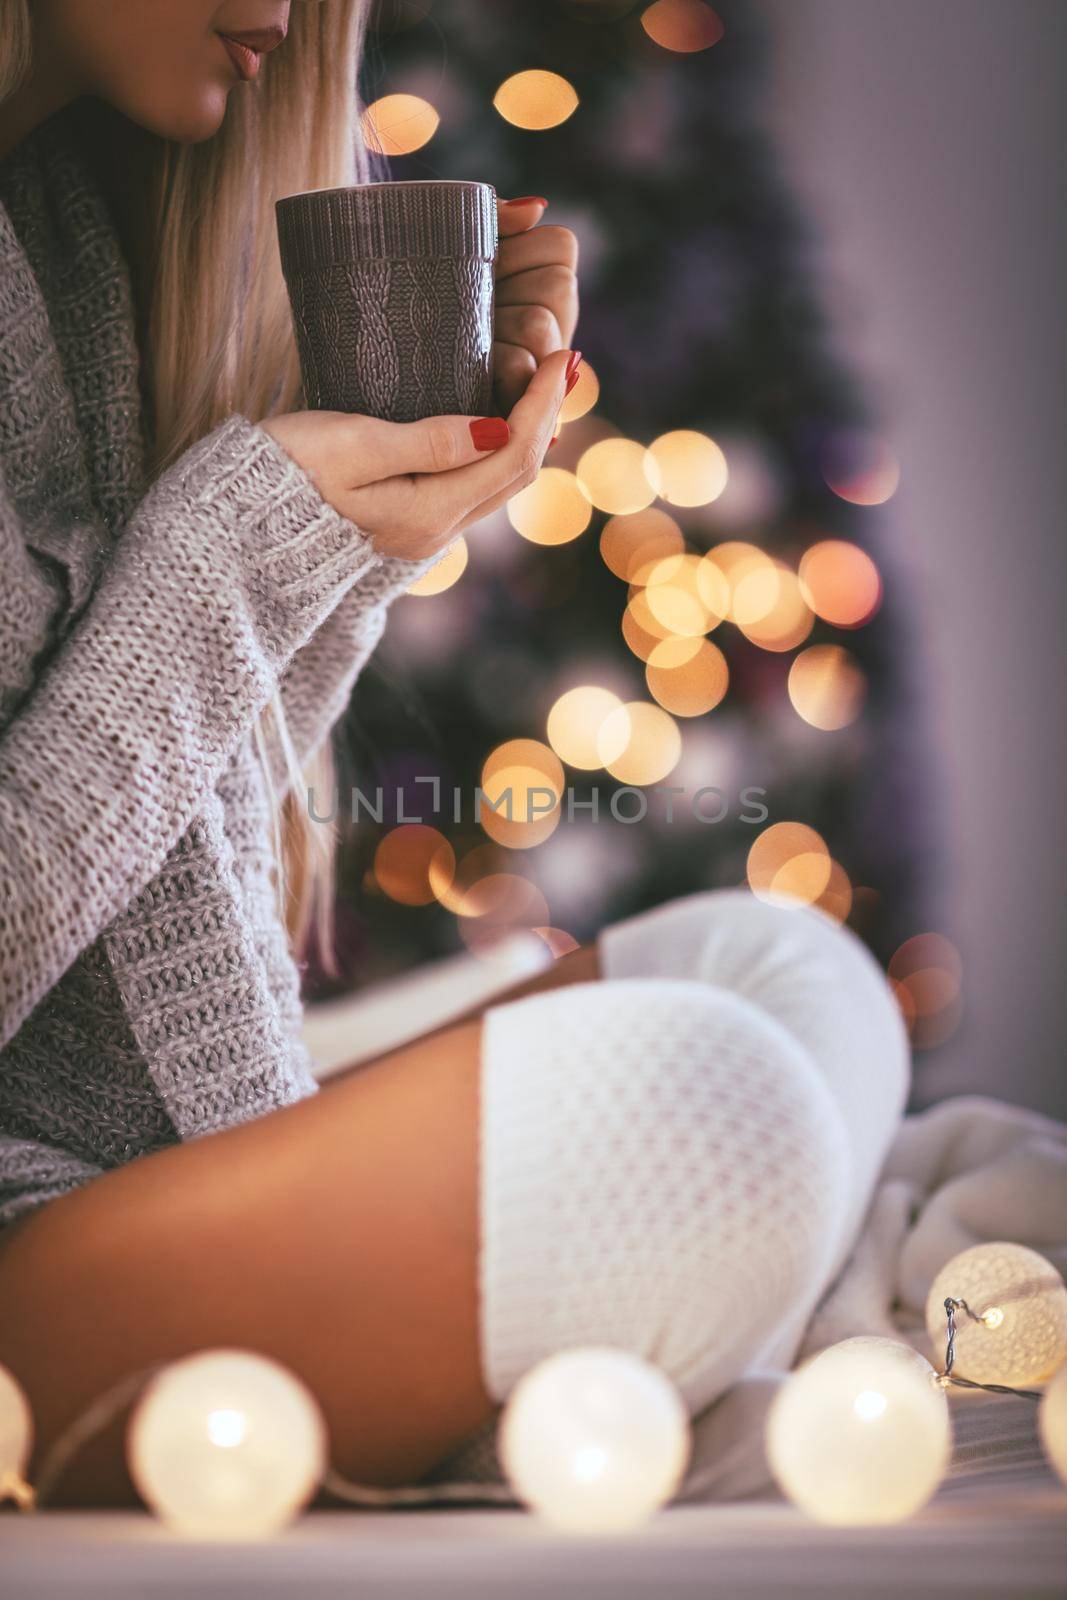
[(532, 420), (533, 328), (442, 499), (539, 247), (513, 367), (515, 216), (550, 285), (436, 444)]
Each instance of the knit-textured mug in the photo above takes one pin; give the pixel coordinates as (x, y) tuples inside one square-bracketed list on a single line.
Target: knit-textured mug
[(392, 289)]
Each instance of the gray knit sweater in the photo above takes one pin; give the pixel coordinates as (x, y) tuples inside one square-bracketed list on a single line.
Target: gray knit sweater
[(146, 990)]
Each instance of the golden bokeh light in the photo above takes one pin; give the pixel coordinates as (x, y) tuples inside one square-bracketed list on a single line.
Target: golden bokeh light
[(632, 545), (836, 898), (770, 609), (868, 482), (926, 974), (680, 598), (444, 573), (550, 510), (536, 99), (413, 863), (612, 476), (687, 676), (928, 1029), (499, 904), (519, 835), (840, 583), (399, 123), (531, 754), (575, 723), (506, 898), (730, 563), (639, 743), (827, 686), (583, 397), (930, 990), (925, 950), (456, 890), (526, 770), (682, 25), (641, 630), (789, 861), (691, 467)]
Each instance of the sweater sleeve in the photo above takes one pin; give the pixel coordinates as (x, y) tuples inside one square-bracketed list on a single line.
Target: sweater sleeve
[(222, 573), (317, 684)]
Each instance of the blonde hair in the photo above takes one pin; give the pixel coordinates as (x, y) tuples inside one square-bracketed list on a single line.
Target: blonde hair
[(214, 328)]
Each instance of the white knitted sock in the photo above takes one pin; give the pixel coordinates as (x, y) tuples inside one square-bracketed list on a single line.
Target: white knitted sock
[(662, 1168), (675, 1159), (822, 983)]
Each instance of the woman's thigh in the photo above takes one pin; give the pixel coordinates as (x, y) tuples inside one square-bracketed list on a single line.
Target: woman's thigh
[(338, 1235)]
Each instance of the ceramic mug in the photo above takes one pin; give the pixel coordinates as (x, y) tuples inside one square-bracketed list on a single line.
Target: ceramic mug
[(392, 289)]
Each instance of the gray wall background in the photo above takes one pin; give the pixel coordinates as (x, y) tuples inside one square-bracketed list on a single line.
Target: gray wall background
[(928, 138)]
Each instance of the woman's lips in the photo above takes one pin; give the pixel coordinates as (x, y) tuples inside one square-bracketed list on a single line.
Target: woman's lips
[(244, 59)]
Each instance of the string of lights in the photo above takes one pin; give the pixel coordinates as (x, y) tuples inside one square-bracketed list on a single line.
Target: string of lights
[(231, 1440)]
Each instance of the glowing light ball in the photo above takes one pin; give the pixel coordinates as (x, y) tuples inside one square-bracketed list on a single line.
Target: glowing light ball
[(226, 1444), (16, 1431), (1022, 1301), (1052, 1421), (444, 573), (594, 1439), (399, 123), (860, 1434)]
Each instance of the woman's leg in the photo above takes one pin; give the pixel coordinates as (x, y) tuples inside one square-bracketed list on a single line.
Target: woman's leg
[(339, 1235), (630, 1178), (651, 1163)]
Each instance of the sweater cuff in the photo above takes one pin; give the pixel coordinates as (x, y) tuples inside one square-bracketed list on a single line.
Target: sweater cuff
[(301, 553)]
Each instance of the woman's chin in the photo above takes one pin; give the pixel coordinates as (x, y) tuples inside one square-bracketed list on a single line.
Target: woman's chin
[(190, 123)]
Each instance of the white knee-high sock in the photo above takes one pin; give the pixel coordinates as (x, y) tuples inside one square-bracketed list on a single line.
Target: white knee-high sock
[(676, 1159), (662, 1168), (816, 977)]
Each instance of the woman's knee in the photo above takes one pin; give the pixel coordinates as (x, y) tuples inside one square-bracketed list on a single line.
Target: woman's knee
[(799, 966), (662, 1168)]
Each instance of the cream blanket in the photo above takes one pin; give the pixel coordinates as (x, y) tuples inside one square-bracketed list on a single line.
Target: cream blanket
[(966, 1170)]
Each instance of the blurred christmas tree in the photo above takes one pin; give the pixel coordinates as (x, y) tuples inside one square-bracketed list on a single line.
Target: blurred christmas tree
[(759, 629)]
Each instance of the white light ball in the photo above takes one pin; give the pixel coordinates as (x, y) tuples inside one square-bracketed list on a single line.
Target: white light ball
[(1022, 1300), (1052, 1421), (861, 1433), (594, 1439), (226, 1444), (16, 1430)]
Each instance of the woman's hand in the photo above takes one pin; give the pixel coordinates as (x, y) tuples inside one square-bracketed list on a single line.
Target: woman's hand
[(413, 486), (536, 295)]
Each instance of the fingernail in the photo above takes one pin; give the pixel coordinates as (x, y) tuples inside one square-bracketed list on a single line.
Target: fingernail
[(553, 439), (489, 433), (572, 371), (525, 199)]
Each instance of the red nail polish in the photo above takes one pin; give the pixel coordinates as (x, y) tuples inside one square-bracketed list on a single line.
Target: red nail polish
[(572, 372), (489, 433), (525, 199), (553, 439)]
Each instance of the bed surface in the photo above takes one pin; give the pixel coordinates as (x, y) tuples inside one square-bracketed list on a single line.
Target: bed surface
[(975, 1540), (997, 1528)]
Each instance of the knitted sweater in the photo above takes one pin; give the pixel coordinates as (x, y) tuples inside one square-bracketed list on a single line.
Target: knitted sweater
[(147, 994)]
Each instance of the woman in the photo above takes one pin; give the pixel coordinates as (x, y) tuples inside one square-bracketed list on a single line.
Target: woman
[(667, 1143)]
